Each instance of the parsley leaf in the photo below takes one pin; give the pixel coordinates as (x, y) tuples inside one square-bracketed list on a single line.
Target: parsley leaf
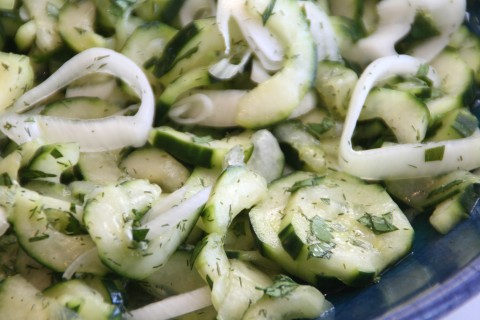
[(281, 287), (315, 181), (378, 224)]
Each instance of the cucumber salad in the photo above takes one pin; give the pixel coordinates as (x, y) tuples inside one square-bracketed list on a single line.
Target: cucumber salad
[(228, 159)]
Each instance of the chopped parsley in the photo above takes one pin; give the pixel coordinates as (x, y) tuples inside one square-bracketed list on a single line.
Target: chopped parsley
[(281, 287), (378, 225), (268, 11), (434, 154)]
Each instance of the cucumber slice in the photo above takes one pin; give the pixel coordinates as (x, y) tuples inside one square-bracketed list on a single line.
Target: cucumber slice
[(343, 228), (201, 151), (20, 300), (302, 150), (81, 108), (457, 77), (147, 40), (334, 83), (50, 161), (43, 12), (275, 99), (83, 300), (75, 24), (100, 167), (425, 193), (16, 77), (405, 115), (238, 188), (157, 166), (456, 124), (35, 219), (195, 45)]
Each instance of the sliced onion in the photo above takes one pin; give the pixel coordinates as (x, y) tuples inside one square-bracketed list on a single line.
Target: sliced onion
[(174, 306), (88, 261), (322, 32), (307, 104), (4, 225), (263, 43), (214, 108), (181, 211), (401, 160), (92, 135), (226, 70), (258, 73), (395, 20), (195, 9)]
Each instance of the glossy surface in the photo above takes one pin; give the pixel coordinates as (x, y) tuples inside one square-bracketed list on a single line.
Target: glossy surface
[(440, 274)]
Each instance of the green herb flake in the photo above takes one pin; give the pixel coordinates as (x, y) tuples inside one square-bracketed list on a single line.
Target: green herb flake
[(318, 129), (434, 154), (268, 11), (196, 251), (35, 174), (319, 229), (52, 10), (5, 180), (56, 153), (281, 287), (315, 181), (139, 234), (322, 250), (205, 139), (38, 238), (378, 225), (423, 70)]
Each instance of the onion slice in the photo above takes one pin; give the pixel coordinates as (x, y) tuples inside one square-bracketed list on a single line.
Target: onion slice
[(173, 306), (92, 135), (402, 160)]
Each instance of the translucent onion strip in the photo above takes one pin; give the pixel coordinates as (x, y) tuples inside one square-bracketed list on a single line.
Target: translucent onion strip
[(402, 160), (4, 225), (93, 135), (395, 20), (266, 47), (174, 306), (214, 108), (322, 32)]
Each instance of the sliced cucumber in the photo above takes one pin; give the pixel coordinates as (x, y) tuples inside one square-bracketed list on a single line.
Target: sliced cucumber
[(76, 21), (302, 150), (424, 193), (190, 79), (275, 99), (20, 300), (43, 12), (201, 151), (468, 46), (81, 108), (238, 188), (407, 116), (458, 78), (157, 166), (50, 161), (334, 83), (110, 216), (35, 219), (16, 77), (343, 228), (146, 41), (175, 277), (83, 300), (456, 124), (100, 167), (195, 45), (448, 214)]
